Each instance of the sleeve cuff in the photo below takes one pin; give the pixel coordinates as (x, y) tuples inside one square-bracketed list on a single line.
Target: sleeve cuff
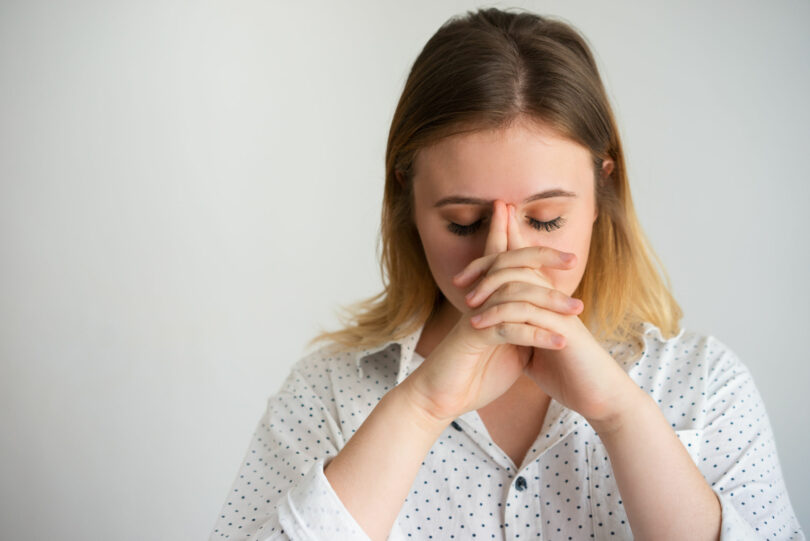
[(312, 511), (732, 526)]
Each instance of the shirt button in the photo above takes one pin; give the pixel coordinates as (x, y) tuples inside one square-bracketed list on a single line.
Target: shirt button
[(455, 425), (520, 483)]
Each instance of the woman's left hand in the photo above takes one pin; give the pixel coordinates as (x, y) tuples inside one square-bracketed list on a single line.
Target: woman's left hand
[(581, 375)]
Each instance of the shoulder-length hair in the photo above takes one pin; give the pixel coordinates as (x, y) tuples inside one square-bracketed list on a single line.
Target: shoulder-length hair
[(479, 71)]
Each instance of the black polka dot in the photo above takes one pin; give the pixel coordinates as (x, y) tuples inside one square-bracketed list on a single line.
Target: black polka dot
[(467, 487)]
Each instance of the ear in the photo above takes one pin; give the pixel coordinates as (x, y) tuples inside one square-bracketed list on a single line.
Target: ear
[(399, 177), (607, 169)]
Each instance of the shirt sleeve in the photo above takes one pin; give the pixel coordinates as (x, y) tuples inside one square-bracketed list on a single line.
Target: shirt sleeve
[(280, 492), (739, 457)]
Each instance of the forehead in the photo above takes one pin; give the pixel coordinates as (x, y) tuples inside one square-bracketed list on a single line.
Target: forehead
[(509, 163)]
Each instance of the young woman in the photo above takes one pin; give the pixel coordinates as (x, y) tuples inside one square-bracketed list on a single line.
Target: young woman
[(523, 373)]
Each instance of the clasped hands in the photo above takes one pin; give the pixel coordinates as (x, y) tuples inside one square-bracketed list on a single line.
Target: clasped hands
[(513, 291)]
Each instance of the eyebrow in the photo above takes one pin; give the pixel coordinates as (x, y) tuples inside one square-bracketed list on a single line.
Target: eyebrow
[(461, 200)]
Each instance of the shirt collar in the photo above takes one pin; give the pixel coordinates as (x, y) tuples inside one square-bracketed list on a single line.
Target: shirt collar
[(407, 345), (651, 330)]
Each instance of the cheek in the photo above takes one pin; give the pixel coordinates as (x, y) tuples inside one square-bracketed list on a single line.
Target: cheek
[(576, 240), (447, 255)]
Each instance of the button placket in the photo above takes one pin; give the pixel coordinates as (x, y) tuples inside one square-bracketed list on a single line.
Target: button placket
[(474, 427)]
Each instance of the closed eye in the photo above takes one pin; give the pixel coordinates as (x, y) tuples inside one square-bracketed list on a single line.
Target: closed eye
[(464, 230)]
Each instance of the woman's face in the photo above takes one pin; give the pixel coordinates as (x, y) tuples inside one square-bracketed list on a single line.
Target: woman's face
[(457, 180)]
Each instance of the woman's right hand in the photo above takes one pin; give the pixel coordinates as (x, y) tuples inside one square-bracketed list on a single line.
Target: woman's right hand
[(472, 367)]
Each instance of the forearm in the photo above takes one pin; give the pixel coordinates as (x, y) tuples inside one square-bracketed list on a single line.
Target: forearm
[(375, 469), (664, 494)]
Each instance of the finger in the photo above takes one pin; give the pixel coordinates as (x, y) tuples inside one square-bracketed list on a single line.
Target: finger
[(519, 312), (535, 257), (496, 243), (523, 334), (531, 256), (496, 239), (529, 291), (514, 238), (501, 278), (473, 270)]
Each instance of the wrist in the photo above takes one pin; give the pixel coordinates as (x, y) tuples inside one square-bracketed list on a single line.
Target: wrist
[(633, 402), (418, 408)]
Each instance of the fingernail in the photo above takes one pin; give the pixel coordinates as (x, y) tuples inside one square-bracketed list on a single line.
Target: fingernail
[(476, 319), (566, 258), (470, 295), (511, 211)]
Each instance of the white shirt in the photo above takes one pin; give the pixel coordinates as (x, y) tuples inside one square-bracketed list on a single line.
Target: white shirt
[(468, 488)]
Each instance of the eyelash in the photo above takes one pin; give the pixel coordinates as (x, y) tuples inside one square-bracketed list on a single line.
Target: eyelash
[(464, 230)]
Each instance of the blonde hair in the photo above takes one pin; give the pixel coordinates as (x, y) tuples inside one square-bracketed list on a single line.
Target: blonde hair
[(483, 70)]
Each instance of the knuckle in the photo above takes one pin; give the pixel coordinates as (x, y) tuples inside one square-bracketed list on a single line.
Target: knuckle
[(550, 256), (484, 283), (512, 288), (497, 262), (527, 305), (555, 298), (540, 335), (539, 256), (546, 251), (497, 271)]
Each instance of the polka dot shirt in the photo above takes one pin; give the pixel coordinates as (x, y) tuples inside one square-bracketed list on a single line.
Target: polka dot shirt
[(469, 489)]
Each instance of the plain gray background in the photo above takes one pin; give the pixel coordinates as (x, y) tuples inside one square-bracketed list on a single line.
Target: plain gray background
[(188, 190)]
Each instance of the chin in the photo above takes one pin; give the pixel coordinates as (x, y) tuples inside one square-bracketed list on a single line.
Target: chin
[(459, 305)]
